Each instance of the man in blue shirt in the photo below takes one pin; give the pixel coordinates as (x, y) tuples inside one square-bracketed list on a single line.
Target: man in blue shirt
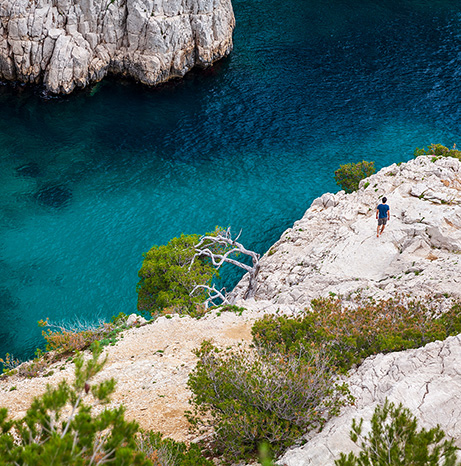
[(383, 215)]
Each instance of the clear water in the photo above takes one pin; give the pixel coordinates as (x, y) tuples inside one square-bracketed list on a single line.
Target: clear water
[(90, 181)]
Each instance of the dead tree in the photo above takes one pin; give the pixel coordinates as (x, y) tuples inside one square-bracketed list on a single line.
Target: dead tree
[(219, 250), (218, 294)]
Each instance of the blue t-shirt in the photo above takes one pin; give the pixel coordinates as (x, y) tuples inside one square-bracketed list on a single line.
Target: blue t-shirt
[(383, 208)]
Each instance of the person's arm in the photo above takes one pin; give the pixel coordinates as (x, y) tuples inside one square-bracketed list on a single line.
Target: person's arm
[(388, 214), (377, 212)]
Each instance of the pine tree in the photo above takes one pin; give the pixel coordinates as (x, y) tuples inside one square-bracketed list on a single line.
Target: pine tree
[(59, 428), (395, 441)]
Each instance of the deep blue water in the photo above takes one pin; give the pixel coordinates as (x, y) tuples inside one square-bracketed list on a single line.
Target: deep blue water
[(90, 181)]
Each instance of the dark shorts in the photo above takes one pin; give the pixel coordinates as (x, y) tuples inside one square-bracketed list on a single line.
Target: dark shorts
[(382, 221)]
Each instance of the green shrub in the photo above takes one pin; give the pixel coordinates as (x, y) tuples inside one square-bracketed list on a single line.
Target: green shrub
[(395, 441), (9, 364), (348, 176), (35, 367), (350, 333), (167, 277), (167, 452), (60, 429), (232, 308), (119, 320), (439, 150), (255, 396)]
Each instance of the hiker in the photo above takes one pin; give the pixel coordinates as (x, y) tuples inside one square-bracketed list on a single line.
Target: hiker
[(382, 215)]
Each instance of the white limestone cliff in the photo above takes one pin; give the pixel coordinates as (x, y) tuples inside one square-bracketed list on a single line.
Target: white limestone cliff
[(66, 44), (334, 248)]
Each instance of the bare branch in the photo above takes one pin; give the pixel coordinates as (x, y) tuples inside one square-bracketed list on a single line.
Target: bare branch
[(219, 249), (218, 294)]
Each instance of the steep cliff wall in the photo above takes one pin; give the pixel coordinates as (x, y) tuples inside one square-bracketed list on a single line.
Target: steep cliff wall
[(70, 43)]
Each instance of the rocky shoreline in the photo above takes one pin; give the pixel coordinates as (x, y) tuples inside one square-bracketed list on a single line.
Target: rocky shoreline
[(65, 45), (332, 250)]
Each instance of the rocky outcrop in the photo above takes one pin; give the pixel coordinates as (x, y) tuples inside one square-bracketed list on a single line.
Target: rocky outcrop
[(334, 248), (425, 380), (70, 43)]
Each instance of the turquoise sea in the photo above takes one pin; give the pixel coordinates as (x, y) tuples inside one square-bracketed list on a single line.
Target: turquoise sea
[(90, 181)]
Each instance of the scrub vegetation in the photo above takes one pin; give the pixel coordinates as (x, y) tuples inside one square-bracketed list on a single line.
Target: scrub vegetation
[(395, 440), (438, 150), (62, 341), (350, 332), (348, 176), (252, 396), (286, 383)]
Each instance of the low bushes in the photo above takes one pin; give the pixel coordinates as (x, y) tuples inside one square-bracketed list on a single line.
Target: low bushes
[(167, 452), (395, 441), (350, 333), (438, 150), (63, 340), (348, 176), (256, 396), (69, 339), (285, 384)]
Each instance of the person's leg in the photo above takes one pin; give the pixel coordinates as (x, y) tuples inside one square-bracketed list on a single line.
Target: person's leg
[(377, 231)]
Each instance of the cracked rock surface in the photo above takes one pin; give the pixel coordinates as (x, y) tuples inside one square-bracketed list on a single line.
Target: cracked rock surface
[(334, 248), (426, 380), (66, 44)]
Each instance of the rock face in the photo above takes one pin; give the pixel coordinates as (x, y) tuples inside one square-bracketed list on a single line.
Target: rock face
[(426, 380), (66, 44), (334, 248)]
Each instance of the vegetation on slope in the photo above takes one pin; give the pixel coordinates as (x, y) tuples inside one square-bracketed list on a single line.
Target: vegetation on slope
[(395, 440)]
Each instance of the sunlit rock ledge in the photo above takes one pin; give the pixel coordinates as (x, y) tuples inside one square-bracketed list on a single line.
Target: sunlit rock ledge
[(65, 44), (334, 248)]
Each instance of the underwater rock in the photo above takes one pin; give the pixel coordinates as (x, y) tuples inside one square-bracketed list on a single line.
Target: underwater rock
[(30, 169), (54, 196), (7, 300)]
